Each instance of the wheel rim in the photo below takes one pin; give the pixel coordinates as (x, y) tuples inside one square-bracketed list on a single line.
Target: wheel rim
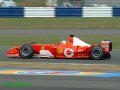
[(96, 53), (25, 51)]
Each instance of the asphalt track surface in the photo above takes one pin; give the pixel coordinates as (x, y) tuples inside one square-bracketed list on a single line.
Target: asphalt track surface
[(61, 82)]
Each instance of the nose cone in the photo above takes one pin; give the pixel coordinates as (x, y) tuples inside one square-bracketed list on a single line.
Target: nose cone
[(14, 52)]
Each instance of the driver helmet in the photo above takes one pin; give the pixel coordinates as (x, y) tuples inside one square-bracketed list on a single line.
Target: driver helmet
[(63, 42)]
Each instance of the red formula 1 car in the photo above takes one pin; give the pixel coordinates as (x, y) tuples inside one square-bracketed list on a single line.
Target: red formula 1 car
[(74, 48)]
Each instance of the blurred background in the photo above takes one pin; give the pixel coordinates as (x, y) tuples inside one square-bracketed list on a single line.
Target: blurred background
[(60, 3)]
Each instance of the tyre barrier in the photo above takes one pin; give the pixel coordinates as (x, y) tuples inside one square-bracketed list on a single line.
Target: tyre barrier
[(16, 12)]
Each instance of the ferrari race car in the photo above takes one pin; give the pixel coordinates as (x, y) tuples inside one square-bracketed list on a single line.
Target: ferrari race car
[(73, 48)]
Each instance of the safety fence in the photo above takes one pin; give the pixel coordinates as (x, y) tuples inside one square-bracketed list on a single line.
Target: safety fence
[(60, 12), (39, 12), (97, 12), (12, 12)]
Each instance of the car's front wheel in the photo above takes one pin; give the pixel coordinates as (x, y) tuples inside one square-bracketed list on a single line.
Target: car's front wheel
[(26, 51), (97, 53)]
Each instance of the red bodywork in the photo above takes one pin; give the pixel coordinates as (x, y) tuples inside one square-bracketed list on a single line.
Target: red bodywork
[(60, 50)]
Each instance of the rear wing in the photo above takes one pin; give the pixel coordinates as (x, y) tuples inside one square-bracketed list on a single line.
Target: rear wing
[(107, 45)]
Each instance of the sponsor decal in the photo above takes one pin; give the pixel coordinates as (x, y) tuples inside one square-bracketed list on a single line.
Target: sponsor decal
[(59, 51), (68, 52), (106, 49), (9, 71), (40, 73), (59, 72), (45, 53), (83, 55), (42, 47)]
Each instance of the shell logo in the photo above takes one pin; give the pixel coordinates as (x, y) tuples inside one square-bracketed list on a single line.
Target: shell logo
[(42, 47), (68, 52), (60, 51)]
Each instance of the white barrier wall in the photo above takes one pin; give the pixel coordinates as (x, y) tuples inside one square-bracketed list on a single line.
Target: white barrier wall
[(97, 11), (39, 12)]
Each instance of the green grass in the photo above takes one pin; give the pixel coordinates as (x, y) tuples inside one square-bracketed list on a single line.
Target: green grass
[(50, 23), (31, 3), (19, 40)]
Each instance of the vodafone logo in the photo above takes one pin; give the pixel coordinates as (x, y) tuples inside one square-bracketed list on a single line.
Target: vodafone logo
[(106, 49), (68, 52)]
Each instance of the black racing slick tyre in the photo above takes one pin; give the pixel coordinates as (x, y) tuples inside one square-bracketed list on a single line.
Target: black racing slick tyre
[(97, 53), (26, 51)]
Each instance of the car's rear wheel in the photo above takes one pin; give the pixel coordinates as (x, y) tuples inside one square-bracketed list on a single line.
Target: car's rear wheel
[(97, 53), (26, 51)]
